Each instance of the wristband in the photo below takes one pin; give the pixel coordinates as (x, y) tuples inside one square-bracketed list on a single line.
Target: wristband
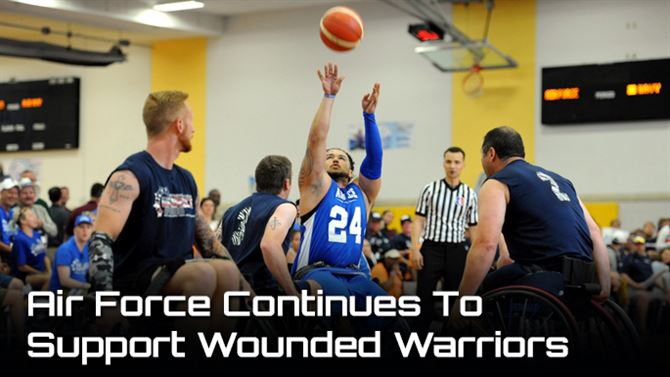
[(331, 96)]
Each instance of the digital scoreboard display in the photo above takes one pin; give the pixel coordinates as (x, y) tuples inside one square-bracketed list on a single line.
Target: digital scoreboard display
[(39, 115), (606, 92)]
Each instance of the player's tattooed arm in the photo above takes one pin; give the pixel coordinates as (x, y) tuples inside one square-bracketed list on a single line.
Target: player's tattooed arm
[(113, 210), (206, 241), (119, 191)]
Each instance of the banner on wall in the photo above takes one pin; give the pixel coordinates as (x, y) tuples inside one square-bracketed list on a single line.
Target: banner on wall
[(395, 135), (14, 167)]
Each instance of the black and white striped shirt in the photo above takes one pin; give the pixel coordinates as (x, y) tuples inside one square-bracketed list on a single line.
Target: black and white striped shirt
[(447, 210)]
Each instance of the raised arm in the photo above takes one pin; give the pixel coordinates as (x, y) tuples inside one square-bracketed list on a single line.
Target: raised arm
[(313, 179), (115, 204), (271, 244), (370, 179)]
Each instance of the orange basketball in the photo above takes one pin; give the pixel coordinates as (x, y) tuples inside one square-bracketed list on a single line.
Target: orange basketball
[(341, 28)]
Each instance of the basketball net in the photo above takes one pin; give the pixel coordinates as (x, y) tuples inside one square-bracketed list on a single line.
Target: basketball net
[(473, 82)]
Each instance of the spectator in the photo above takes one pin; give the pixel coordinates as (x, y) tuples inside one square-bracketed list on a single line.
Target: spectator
[(215, 195), (58, 214), (663, 235), (403, 241), (9, 194), (27, 200), (207, 207), (36, 186), (387, 217), (70, 265), (379, 243), (388, 274), (65, 197), (90, 206), (638, 274), (294, 247), (29, 259)]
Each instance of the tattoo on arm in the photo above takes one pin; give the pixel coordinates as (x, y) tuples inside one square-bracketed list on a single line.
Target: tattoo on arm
[(110, 208), (206, 240), (118, 187), (274, 223)]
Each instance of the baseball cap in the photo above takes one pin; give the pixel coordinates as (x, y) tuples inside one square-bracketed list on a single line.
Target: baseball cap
[(25, 182), (638, 240), (375, 216), (393, 254), (83, 219), (619, 237), (8, 183), (405, 218)]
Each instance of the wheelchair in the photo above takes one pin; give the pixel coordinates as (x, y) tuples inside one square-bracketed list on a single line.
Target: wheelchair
[(593, 329)]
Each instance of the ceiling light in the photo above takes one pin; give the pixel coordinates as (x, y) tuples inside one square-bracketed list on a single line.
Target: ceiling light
[(38, 3), (177, 6)]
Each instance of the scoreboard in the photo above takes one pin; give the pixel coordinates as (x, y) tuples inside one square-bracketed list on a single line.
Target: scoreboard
[(606, 92), (39, 115)]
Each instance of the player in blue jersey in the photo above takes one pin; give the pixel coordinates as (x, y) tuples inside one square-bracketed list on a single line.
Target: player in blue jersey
[(333, 205), (544, 223), (148, 220)]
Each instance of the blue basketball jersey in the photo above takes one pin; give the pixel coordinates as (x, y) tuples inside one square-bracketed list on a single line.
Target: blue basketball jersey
[(334, 230)]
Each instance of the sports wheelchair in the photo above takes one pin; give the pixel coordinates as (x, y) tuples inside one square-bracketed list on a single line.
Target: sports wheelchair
[(594, 329)]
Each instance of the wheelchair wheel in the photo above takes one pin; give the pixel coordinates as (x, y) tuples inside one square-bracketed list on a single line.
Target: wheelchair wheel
[(627, 336), (526, 311)]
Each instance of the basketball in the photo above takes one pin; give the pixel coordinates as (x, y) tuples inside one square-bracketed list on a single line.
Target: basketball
[(341, 28)]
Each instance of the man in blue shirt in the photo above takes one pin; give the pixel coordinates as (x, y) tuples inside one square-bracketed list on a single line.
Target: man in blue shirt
[(29, 254), (70, 265), (333, 205), (538, 212)]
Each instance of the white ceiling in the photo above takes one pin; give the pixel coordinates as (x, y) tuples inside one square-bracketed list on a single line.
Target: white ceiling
[(137, 16), (233, 7)]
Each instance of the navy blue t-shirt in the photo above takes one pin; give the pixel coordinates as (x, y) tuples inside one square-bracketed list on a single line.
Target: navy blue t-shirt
[(161, 224), (242, 230), (638, 267), (544, 219)]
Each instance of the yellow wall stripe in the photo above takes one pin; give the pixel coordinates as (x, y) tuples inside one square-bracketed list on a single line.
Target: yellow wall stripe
[(508, 94), (181, 65), (603, 212)]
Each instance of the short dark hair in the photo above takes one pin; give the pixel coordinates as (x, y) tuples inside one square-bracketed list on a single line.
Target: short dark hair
[(454, 150), (506, 142), (271, 172), (96, 190), (54, 194), (351, 160), (206, 199)]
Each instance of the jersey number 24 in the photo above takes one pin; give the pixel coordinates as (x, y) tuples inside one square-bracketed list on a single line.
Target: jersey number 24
[(337, 226)]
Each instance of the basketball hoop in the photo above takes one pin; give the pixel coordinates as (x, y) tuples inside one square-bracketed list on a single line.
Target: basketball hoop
[(473, 82)]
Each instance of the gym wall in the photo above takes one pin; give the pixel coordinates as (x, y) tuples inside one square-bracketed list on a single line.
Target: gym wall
[(110, 124), (624, 162), (263, 92)]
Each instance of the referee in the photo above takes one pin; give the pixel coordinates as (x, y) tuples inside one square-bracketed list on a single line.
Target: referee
[(442, 212)]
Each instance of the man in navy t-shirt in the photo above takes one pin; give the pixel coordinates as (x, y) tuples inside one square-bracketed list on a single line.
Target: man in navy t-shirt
[(538, 212), (148, 220), (70, 265), (255, 231)]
